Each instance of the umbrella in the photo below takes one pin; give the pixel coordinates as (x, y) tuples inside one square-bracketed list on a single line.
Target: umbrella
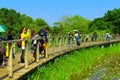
[(2, 28), (72, 31)]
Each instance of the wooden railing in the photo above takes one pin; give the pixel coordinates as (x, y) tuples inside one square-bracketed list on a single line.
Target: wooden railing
[(61, 42)]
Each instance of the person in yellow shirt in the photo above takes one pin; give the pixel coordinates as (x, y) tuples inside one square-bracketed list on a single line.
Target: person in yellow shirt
[(29, 33), (23, 36)]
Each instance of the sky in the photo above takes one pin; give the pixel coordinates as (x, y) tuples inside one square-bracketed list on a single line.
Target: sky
[(53, 10)]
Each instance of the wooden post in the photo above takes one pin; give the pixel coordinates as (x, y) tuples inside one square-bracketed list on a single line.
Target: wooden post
[(62, 42), (14, 48), (59, 40), (46, 50), (100, 38), (37, 52), (84, 41), (75, 43), (10, 61), (53, 45), (64, 38), (89, 39), (7, 49), (26, 54)]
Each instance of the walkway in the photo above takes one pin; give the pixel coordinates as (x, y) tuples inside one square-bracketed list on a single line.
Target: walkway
[(20, 71)]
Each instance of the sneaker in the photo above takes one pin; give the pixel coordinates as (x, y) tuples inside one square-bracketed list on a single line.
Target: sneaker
[(22, 64)]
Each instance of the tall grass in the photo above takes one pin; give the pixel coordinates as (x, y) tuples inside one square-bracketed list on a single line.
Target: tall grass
[(75, 66)]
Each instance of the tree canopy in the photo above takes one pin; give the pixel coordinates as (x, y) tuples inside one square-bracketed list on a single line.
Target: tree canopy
[(12, 19), (109, 22), (72, 23)]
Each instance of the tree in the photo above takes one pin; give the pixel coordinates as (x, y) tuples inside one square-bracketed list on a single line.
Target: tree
[(40, 23), (109, 22), (69, 23), (11, 19), (26, 20)]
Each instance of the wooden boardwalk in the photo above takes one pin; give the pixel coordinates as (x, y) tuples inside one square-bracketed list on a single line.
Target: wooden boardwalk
[(19, 70)]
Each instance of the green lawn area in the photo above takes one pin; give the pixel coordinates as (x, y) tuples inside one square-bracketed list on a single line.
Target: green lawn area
[(85, 64)]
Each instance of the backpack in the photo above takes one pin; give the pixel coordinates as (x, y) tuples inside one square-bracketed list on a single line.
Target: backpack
[(19, 42)]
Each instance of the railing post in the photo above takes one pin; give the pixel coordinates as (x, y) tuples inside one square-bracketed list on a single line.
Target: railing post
[(14, 47), (62, 39), (53, 45), (84, 41), (75, 43), (64, 42), (89, 40), (26, 54), (37, 52), (10, 60), (46, 50), (7, 49), (59, 42)]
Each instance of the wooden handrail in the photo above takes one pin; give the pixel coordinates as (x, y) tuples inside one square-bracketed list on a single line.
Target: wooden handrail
[(61, 40)]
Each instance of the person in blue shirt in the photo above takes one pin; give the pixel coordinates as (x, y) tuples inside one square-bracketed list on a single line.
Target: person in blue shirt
[(43, 33)]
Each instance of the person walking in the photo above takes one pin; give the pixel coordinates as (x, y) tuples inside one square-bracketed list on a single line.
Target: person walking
[(1, 55), (34, 45), (70, 38), (77, 38), (23, 36), (107, 37), (10, 37), (44, 41)]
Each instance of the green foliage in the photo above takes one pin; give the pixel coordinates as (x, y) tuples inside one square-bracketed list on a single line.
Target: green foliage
[(12, 19), (78, 65), (26, 20), (40, 23), (110, 22), (72, 23)]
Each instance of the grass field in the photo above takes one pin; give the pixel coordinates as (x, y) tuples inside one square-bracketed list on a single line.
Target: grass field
[(85, 64)]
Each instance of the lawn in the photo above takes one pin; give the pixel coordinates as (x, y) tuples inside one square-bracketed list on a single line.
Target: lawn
[(86, 64)]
